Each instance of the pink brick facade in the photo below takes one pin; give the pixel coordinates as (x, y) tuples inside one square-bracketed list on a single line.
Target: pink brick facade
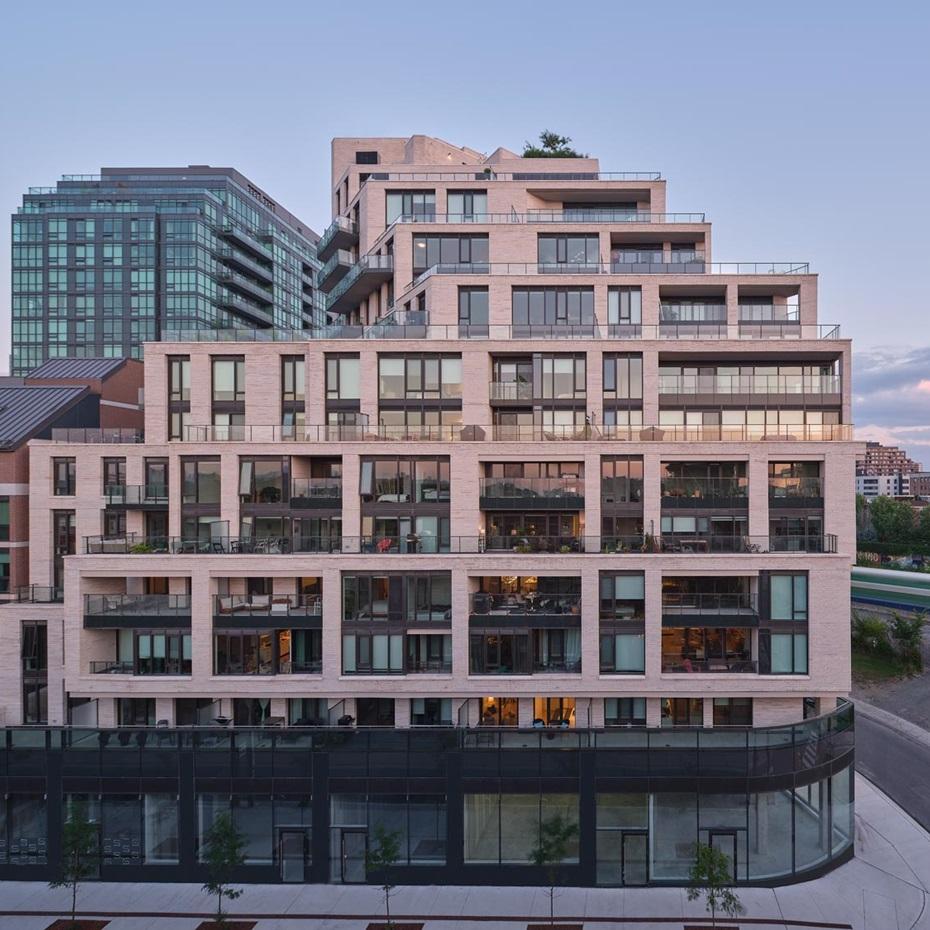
[(514, 192)]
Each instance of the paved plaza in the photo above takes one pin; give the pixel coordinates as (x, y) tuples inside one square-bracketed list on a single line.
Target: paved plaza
[(884, 888)]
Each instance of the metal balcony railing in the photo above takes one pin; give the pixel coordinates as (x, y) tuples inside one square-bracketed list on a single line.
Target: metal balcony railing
[(531, 489)]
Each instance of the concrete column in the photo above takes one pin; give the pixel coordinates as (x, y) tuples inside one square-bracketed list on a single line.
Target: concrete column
[(757, 470), (332, 624), (650, 386), (314, 388), (652, 492), (590, 622), (164, 709), (368, 387), (592, 494), (462, 587), (229, 491), (201, 412), (201, 626), (464, 509), (653, 622), (351, 501), (402, 712), (653, 712), (525, 712), (732, 302), (595, 385)]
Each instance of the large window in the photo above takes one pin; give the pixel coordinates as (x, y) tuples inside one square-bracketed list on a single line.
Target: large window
[(682, 712), (562, 377), (623, 596), (621, 479), (342, 377), (401, 598), (625, 712), (568, 250), (179, 378), (789, 597), (467, 206), (623, 377), (419, 205), (426, 377), (624, 306), (264, 480), (64, 481), (268, 652), (505, 828), (229, 379), (405, 480), (623, 653), (732, 712), (200, 481), (449, 250), (553, 306), (473, 306)]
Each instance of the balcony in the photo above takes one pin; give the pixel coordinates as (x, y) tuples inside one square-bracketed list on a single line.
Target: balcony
[(268, 611), (511, 390), (143, 667), (538, 493), (697, 267), (39, 594), (800, 493), (244, 306), (561, 610), (676, 662), (116, 434), (473, 545), (715, 386), (246, 286), (316, 493), (136, 497), (248, 240), (244, 263), (714, 609), (369, 272), (335, 270), (704, 492), (342, 233), (132, 611)]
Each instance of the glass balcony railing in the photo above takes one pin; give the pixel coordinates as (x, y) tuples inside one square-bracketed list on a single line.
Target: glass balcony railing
[(666, 330), (786, 491), (267, 605), (137, 605), (524, 605), (136, 495), (529, 490), (750, 384), (713, 603), (310, 491), (677, 662), (694, 492), (811, 432)]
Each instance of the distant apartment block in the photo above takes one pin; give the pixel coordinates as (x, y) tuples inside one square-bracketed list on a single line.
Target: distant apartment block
[(104, 263), (885, 460)]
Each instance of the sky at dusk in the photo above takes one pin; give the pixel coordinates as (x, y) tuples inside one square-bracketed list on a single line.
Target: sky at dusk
[(801, 128)]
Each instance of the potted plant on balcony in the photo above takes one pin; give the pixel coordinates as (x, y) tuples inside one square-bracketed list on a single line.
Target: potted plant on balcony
[(140, 548)]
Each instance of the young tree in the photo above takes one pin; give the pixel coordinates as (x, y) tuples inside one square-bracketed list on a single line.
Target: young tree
[(907, 634), (223, 852), (551, 145), (712, 876), (555, 839), (79, 853), (382, 856)]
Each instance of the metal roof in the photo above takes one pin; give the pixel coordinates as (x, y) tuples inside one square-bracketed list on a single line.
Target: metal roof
[(91, 368), (25, 411)]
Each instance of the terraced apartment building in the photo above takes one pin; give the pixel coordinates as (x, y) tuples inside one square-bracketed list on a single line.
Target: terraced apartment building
[(555, 516)]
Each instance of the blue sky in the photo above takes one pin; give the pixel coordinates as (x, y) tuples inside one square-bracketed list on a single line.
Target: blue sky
[(801, 129)]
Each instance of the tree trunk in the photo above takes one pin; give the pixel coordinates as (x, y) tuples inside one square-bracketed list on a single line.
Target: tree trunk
[(73, 903), (387, 906), (552, 904), (219, 906)]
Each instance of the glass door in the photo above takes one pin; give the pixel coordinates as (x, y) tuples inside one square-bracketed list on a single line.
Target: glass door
[(354, 851), (634, 866), (292, 849), (725, 841)]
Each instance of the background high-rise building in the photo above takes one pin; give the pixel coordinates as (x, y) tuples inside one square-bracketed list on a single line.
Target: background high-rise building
[(885, 460), (103, 263)]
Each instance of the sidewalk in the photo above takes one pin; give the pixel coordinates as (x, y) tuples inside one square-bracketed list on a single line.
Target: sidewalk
[(884, 888)]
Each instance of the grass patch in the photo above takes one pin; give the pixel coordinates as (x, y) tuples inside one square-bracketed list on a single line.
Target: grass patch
[(871, 667)]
